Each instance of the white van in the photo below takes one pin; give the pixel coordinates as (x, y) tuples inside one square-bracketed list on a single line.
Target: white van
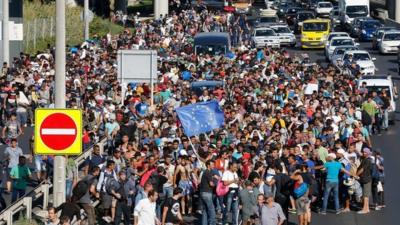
[(382, 82), (350, 9)]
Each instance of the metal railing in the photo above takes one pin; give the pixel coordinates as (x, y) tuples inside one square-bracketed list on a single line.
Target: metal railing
[(42, 190)]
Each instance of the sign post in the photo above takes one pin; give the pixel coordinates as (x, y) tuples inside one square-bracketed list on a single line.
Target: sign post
[(137, 66), (59, 161)]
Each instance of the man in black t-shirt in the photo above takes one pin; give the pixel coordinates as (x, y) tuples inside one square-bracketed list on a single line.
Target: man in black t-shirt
[(365, 178), (171, 211), (206, 188)]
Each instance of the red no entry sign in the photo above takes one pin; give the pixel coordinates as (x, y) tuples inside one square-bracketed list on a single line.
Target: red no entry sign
[(58, 131)]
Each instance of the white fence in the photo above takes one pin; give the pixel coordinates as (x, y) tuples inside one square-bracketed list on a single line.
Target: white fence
[(38, 29), (43, 190)]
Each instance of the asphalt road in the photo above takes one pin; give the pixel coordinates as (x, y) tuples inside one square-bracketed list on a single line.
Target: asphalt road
[(388, 143)]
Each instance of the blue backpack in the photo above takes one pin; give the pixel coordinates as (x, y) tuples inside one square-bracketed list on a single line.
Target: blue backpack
[(300, 190)]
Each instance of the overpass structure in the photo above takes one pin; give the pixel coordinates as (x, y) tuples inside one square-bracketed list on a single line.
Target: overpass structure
[(392, 7)]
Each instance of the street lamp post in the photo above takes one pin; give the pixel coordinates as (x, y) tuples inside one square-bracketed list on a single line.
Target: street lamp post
[(59, 161)]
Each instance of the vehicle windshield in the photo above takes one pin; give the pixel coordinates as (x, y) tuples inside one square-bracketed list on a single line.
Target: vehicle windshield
[(337, 35), (305, 16), (325, 5), (267, 32), (281, 30), (292, 10), (379, 89), (392, 37), (335, 12), (271, 19), (361, 57), (211, 49), (353, 11), (371, 25), (342, 42), (316, 26), (341, 51)]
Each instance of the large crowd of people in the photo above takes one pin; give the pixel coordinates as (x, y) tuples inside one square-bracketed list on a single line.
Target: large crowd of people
[(282, 149)]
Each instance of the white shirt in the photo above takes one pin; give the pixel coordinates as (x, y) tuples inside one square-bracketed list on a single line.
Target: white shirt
[(146, 212), (229, 176)]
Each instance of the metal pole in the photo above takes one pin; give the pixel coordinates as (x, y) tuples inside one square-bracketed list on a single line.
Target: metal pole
[(397, 13), (6, 35), (86, 18), (59, 162)]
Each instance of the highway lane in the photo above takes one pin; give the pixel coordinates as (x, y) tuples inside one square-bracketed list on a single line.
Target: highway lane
[(388, 143)]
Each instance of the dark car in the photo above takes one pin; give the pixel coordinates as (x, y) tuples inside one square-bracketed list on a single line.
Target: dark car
[(210, 4), (300, 17), (290, 15), (213, 43), (199, 86), (368, 29), (282, 7)]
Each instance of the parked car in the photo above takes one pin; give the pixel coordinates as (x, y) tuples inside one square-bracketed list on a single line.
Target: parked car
[(378, 35), (390, 42), (286, 36), (265, 37), (336, 42)]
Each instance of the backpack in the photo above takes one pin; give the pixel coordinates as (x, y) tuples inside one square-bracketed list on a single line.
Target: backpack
[(106, 180), (300, 190), (374, 171), (81, 188), (111, 184)]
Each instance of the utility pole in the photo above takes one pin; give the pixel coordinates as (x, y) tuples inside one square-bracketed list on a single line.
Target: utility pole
[(6, 32), (59, 162), (86, 18)]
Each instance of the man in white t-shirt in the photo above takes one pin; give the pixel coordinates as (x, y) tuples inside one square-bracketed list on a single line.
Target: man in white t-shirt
[(145, 210), (231, 179)]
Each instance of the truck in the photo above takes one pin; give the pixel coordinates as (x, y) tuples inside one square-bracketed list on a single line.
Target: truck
[(350, 9)]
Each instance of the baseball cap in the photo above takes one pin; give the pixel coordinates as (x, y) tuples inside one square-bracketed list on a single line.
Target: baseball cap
[(341, 151), (332, 155)]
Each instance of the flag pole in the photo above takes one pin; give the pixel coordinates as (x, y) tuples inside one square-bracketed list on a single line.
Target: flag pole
[(194, 149)]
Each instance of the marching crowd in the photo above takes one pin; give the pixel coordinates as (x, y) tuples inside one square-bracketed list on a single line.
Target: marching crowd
[(283, 149)]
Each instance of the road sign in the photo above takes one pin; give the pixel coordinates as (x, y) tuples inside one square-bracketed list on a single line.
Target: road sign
[(58, 131)]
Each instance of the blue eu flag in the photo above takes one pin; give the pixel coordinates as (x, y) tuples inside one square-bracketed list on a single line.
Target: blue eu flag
[(200, 117)]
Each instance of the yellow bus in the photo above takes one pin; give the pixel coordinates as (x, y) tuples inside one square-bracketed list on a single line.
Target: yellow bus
[(314, 33)]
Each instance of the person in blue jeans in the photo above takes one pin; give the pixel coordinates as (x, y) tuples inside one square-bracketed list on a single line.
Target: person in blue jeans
[(231, 179), (206, 189), (333, 168)]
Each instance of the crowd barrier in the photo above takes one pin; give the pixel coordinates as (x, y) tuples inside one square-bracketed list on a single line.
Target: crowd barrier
[(41, 193)]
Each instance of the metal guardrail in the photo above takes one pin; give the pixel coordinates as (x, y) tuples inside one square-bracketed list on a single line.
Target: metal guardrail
[(43, 189)]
